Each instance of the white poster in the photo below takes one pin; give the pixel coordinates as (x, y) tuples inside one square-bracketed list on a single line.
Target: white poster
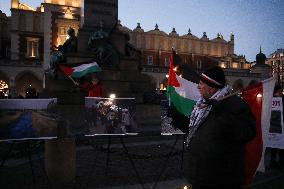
[(276, 135)]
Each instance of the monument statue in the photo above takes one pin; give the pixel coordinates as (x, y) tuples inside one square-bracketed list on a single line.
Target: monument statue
[(105, 53), (70, 45), (58, 56)]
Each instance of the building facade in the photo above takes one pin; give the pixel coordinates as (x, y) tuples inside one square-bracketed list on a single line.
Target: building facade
[(200, 53), (33, 34), (29, 36), (276, 61), (4, 35)]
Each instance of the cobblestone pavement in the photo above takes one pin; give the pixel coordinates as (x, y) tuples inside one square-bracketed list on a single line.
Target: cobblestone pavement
[(147, 165)]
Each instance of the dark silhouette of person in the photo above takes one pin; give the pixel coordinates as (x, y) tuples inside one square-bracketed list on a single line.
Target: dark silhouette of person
[(93, 86)]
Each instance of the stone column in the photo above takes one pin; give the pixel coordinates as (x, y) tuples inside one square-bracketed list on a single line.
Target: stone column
[(47, 37), (12, 87)]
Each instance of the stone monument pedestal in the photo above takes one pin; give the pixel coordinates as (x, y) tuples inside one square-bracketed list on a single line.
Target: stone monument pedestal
[(60, 160)]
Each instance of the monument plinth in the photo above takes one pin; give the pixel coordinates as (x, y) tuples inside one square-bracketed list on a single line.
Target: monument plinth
[(97, 12), (100, 16)]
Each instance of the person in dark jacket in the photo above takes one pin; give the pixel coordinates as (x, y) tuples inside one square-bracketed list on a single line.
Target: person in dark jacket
[(220, 126)]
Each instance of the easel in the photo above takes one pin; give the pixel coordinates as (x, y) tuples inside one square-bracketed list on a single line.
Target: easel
[(132, 162), (121, 138), (24, 104), (89, 103), (7, 154), (27, 150), (177, 136)]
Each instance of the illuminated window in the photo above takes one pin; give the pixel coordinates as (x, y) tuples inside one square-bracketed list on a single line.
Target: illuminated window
[(162, 87), (62, 35), (41, 8), (150, 60), (246, 66), (235, 65), (32, 47), (222, 65), (62, 31)]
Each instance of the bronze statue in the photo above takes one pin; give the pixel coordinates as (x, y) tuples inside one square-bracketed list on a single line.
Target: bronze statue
[(105, 53), (70, 45), (58, 56)]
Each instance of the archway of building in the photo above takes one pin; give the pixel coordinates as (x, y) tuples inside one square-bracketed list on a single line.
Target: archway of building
[(4, 85), (27, 80)]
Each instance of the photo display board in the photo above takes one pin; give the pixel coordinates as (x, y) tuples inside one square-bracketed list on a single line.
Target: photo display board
[(110, 116), (275, 133), (22, 119)]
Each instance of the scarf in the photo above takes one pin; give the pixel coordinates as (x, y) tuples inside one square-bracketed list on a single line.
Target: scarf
[(201, 111)]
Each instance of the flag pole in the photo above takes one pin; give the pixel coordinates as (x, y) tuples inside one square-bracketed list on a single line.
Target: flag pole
[(71, 79), (229, 95), (171, 64)]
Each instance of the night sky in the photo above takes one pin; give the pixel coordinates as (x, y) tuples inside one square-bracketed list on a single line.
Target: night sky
[(254, 23)]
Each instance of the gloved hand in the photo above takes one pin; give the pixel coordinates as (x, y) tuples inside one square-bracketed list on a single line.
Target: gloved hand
[(216, 106)]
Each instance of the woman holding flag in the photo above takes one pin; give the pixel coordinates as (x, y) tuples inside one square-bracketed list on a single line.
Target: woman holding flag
[(91, 83), (92, 86)]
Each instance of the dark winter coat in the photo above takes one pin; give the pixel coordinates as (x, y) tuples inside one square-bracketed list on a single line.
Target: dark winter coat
[(215, 155)]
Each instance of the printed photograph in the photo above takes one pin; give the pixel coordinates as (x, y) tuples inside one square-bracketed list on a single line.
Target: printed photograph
[(110, 115), (23, 122)]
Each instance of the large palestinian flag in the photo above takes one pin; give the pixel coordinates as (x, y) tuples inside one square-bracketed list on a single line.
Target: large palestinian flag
[(259, 98), (183, 94)]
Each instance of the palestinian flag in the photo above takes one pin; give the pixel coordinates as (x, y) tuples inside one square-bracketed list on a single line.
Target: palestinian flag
[(259, 98), (183, 94), (81, 70)]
